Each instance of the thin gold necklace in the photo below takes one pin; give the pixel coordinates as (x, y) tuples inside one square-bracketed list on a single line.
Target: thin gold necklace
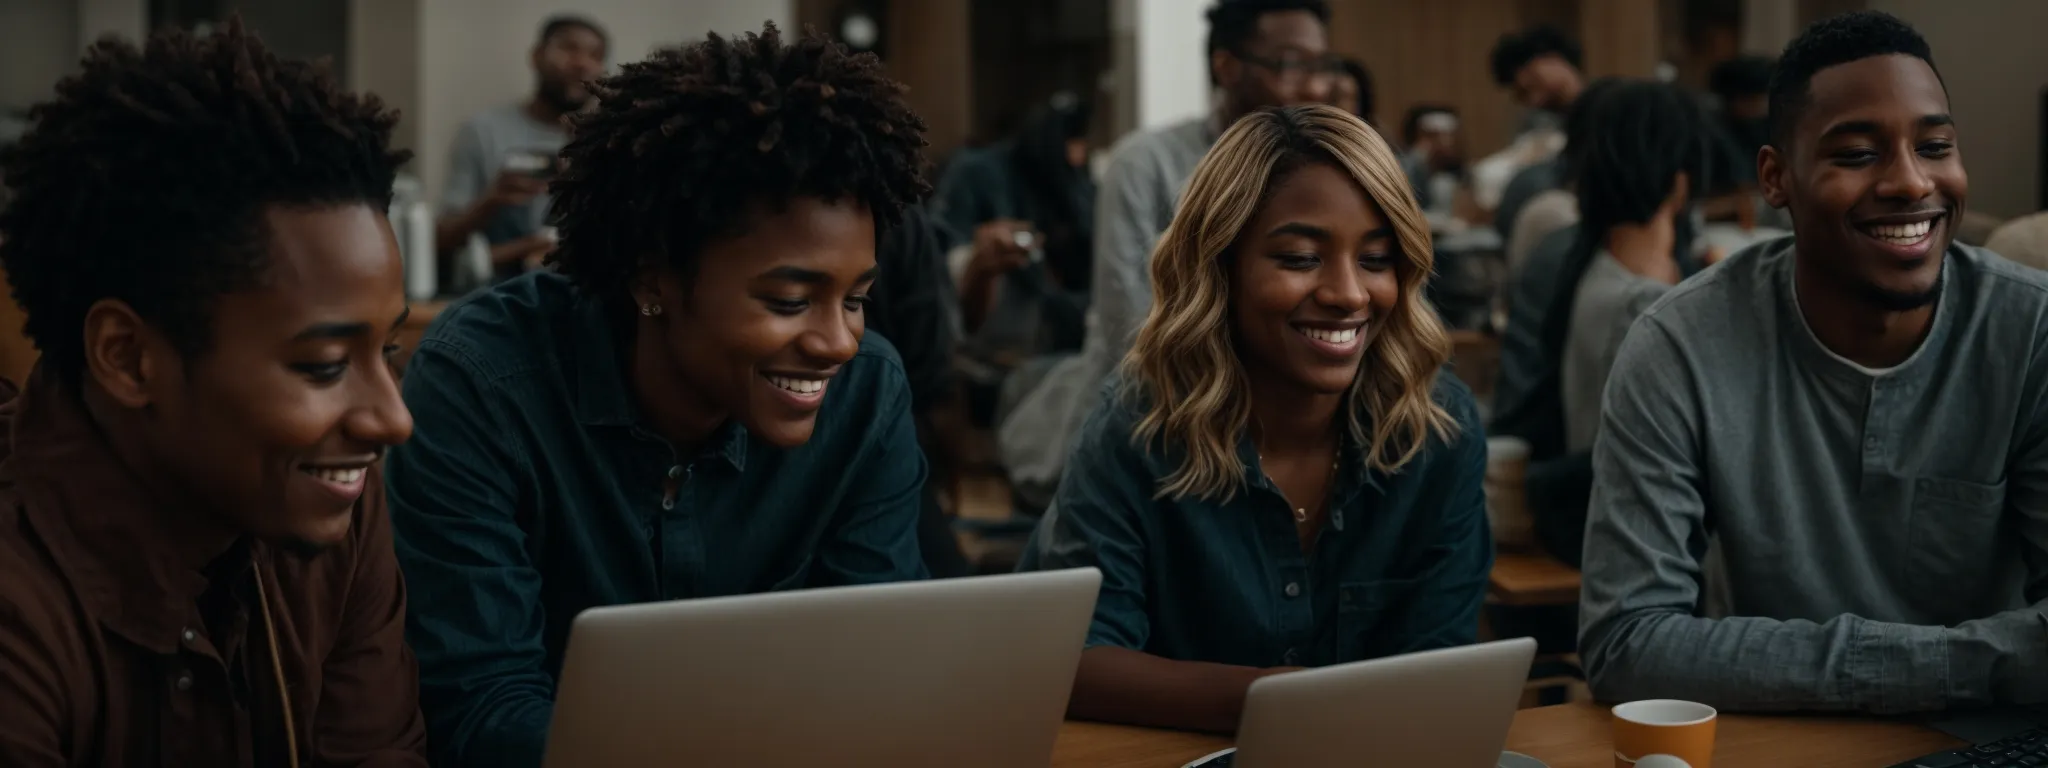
[(1301, 513)]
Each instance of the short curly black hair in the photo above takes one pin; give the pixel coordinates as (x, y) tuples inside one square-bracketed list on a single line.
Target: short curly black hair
[(146, 178), (683, 145), (1515, 50), (1834, 41)]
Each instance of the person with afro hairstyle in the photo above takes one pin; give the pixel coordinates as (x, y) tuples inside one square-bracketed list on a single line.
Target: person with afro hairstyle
[(1849, 423), (685, 406), (1540, 66), (1262, 53), (196, 565)]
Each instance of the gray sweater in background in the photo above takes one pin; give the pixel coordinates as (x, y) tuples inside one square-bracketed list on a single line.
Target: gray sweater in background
[(1608, 301), (1884, 533)]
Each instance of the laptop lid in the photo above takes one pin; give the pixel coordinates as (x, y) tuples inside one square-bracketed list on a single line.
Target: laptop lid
[(1447, 708), (971, 671)]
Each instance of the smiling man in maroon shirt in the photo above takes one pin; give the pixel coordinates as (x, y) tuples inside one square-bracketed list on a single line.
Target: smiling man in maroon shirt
[(195, 562)]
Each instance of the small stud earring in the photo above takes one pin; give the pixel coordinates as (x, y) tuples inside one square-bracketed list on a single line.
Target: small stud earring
[(650, 310)]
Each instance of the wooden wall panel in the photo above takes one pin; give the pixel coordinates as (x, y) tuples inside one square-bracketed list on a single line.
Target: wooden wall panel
[(928, 51), (1432, 52), (926, 44), (1621, 37), (1437, 52)]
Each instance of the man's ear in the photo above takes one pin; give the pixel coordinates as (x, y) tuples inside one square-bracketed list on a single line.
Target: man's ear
[(1770, 176), (1676, 198), (654, 286), (122, 353)]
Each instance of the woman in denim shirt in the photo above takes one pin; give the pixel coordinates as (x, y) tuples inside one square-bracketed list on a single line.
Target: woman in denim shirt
[(1279, 476)]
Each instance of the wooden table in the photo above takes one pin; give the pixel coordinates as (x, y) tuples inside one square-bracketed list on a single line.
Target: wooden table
[(1531, 578), (1566, 736)]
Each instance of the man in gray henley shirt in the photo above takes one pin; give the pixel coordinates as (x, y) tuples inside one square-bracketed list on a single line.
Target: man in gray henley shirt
[(1858, 416)]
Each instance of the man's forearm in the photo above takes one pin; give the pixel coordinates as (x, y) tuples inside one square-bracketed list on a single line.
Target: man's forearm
[(1120, 685), (1846, 664)]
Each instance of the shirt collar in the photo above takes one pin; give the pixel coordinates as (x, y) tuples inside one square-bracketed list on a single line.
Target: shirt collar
[(602, 399), (1827, 361), (1352, 474), (135, 567)]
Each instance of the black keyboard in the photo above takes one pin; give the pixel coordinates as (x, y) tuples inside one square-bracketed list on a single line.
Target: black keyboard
[(2026, 749)]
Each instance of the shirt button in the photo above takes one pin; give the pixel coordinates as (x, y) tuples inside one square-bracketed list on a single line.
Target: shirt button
[(1291, 658), (184, 682), (1292, 589), (668, 503), (675, 472), (188, 636)]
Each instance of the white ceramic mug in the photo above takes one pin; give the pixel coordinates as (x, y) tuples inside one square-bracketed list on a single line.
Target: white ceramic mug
[(1661, 761)]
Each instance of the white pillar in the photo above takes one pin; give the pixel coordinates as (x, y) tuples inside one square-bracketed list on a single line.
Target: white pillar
[(1171, 42)]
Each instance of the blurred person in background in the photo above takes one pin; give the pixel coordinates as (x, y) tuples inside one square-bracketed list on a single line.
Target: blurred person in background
[(1352, 91), (196, 563), (1527, 401), (1739, 126), (1634, 188), (1741, 88), (1540, 66), (1262, 53), (1029, 206), (1558, 207), (502, 159), (1434, 159)]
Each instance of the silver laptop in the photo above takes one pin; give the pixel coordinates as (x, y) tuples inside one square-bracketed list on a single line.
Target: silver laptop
[(1447, 708), (957, 672)]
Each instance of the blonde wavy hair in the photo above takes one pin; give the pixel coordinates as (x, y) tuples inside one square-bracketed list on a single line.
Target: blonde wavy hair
[(1184, 363)]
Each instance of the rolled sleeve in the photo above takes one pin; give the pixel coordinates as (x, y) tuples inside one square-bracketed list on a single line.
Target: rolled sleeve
[(1096, 520), (476, 620)]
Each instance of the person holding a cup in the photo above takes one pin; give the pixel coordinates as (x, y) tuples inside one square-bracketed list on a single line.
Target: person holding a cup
[(1281, 476), (1853, 416)]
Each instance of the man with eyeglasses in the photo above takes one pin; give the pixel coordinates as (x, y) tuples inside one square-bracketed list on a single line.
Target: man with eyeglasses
[(1262, 53)]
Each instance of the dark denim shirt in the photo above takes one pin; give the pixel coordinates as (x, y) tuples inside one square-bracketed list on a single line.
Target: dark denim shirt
[(1401, 564), (531, 490)]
